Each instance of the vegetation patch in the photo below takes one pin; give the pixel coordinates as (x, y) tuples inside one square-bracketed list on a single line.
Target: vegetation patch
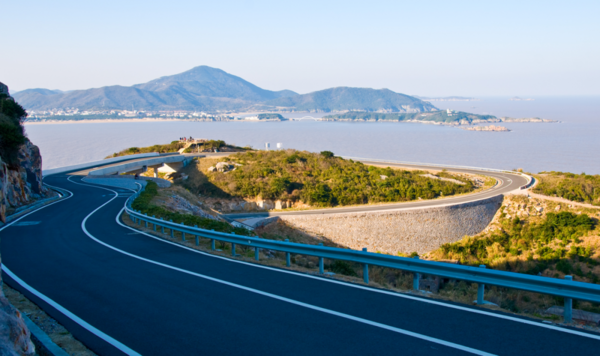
[(175, 146), (144, 204), (320, 180), (582, 187), (12, 133)]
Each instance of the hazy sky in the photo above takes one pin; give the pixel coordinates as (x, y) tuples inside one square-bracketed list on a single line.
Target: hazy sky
[(474, 48)]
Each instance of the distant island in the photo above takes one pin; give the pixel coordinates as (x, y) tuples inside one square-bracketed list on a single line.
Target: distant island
[(447, 98), (487, 128), (516, 98), (445, 117)]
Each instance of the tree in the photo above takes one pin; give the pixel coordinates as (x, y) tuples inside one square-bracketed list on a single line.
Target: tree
[(327, 154)]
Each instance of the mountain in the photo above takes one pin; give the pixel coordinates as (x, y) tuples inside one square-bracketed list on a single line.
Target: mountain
[(201, 88), (210, 89), (353, 99)]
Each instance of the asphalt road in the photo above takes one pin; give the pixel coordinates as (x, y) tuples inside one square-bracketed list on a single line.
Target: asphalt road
[(123, 292), (507, 182)]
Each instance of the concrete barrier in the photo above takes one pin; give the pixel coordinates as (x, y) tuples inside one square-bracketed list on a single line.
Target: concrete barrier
[(47, 172)]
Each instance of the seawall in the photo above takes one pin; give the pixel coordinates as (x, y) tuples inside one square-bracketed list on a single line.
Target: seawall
[(405, 231)]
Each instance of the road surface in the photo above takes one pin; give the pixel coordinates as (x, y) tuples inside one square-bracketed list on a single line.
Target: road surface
[(120, 291)]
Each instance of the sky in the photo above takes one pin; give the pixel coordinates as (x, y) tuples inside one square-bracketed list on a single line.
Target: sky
[(427, 48)]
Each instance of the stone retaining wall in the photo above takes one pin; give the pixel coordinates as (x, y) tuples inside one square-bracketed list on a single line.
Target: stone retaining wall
[(393, 231)]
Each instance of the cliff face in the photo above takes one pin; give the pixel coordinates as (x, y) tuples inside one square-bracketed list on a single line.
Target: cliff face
[(22, 185)]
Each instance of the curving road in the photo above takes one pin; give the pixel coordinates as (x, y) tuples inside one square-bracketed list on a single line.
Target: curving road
[(507, 182), (121, 291)]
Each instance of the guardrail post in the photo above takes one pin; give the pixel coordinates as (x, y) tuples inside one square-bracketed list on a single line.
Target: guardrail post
[(197, 237), (139, 221), (172, 231), (568, 311), (287, 256), (256, 255), (233, 249), (321, 267), (182, 233), (416, 277), (212, 242), (365, 270), (154, 223), (480, 290), (146, 222), (162, 228)]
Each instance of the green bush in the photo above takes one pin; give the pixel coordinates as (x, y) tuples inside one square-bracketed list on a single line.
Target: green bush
[(342, 267), (327, 154), (519, 237)]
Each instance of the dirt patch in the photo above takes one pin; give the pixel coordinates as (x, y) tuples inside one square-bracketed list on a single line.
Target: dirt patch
[(57, 333)]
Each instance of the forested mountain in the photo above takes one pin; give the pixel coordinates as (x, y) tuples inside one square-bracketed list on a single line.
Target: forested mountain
[(355, 99)]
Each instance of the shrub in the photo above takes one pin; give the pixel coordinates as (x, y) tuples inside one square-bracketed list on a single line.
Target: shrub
[(342, 267), (327, 154)]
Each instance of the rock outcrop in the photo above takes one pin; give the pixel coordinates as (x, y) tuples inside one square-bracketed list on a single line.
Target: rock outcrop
[(15, 338), (21, 185)]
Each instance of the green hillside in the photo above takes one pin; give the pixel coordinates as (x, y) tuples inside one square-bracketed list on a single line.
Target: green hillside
[(344, 98)]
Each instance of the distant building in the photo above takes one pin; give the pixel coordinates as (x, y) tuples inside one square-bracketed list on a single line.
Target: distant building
[(4, 89)]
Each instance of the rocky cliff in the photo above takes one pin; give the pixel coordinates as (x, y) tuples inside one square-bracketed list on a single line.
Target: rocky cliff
[(22, 184)]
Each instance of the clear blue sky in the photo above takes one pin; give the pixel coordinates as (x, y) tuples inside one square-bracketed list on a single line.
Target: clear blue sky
[(473, 48)]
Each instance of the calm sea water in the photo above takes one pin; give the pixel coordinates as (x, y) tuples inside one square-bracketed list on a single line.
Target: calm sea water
[(572, 145)]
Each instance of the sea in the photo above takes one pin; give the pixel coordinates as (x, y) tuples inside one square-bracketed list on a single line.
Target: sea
[(570, 145)]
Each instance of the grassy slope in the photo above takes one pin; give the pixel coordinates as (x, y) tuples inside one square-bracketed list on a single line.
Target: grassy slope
[(317, 180), (581, 188)]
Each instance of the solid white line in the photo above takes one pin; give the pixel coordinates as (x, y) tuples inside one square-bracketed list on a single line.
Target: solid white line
[(70, 315), (274, 296)]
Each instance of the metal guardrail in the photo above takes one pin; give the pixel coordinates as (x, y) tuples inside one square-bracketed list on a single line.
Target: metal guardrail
[(566, 288)]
